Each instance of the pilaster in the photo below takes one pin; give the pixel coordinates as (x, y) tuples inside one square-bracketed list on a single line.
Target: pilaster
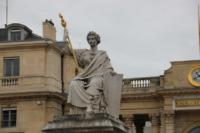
[(169, 122), (155, 122), (162, 123)]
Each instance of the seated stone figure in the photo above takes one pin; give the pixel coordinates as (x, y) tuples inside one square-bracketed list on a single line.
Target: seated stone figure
[(86, 92)]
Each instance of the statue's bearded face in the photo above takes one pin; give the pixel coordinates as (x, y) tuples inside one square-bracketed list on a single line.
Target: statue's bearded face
[(92, 40)]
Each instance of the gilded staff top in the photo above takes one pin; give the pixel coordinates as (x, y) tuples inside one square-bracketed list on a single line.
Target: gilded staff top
[(68, 41), (63, 22)]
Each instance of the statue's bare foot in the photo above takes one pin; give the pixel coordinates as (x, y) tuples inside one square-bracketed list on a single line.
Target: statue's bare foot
[(89, 109)]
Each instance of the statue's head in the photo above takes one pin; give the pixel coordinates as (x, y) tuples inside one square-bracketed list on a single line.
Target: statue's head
[(93, 38)]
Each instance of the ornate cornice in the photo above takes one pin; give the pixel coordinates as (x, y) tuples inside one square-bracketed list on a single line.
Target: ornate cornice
[(32, 95), (30, 44), (158, 94), (130, 97), (178, 91)]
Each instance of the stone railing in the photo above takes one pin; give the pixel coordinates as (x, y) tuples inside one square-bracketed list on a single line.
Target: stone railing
[(9, 81), (145, 82), (29, 80)]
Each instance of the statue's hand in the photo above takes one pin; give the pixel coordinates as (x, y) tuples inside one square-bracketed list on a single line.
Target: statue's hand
[(111, 72)]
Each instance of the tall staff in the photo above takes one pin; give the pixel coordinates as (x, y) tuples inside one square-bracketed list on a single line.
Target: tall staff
[(68, 42)]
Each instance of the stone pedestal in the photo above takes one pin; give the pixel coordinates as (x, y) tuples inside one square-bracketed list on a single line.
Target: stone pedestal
[(85, 123)]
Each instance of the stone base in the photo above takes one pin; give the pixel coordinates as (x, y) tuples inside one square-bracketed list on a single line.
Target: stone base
[(85, 123)]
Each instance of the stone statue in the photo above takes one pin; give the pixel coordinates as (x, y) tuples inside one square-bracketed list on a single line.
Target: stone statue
[(96, 89), (86, 91)]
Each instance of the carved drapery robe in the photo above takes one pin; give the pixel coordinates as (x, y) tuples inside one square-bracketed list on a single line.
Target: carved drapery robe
[(87, 87)]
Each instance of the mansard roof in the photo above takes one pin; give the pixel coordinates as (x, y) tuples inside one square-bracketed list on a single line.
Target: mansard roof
[(28, 35), (17, 26), (3, 35)]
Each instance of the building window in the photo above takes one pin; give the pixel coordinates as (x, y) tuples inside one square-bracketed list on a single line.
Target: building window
[(11, 66), (8, 117), (15, 35)]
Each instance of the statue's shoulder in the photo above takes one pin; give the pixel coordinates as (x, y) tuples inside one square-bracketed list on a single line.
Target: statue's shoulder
[(103, 52), (79, 52)]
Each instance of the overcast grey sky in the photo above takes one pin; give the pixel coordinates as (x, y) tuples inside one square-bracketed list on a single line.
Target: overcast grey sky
[(140, 36)]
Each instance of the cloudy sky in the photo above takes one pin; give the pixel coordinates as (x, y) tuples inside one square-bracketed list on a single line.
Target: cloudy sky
[(141, 37)]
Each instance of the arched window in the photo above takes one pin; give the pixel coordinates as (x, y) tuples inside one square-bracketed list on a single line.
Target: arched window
[(195, 130)]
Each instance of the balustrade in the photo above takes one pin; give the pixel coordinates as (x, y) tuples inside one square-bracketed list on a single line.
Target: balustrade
[(141, 82), (127, 83), (9, 81)]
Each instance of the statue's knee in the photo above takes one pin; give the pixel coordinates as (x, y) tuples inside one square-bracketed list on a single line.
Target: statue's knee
[(96, 81)]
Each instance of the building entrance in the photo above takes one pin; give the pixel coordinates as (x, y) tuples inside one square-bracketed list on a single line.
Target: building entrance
[(195, 130)]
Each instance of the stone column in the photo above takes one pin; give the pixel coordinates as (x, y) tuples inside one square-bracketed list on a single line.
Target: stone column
[(128, 121), (169, 122), (162, 123), (155, 123)]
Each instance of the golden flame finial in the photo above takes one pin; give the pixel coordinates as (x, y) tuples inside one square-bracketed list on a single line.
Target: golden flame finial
[(63, 22)]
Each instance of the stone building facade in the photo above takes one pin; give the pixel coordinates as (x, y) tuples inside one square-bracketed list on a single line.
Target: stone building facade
[(35, 72), (170, 102), (32, 82)]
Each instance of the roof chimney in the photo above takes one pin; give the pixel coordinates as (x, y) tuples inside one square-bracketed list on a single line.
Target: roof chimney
[(49, 31)]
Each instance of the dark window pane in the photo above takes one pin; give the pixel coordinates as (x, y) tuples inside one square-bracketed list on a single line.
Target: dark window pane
[(11, 66), (16, 67), (13, 115), (8, 67), (9, 118), (5, 118), (5, 124), (15, 35), (5, 115), (13, 124)]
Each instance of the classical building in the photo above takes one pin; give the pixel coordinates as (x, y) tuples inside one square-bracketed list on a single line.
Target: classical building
[(35, 72), (32, 78), (171, 102)]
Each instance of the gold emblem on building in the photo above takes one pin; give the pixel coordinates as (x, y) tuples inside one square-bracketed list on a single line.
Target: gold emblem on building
[(187, 102), (194, 76)]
